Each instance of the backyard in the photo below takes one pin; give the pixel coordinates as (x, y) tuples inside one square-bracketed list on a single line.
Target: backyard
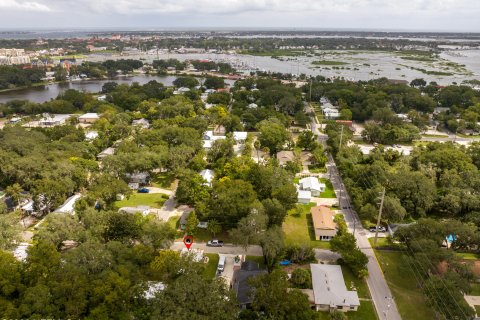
[(153, 200), (298, 228)]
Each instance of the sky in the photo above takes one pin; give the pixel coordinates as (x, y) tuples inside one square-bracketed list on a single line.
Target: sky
[(400, 15)]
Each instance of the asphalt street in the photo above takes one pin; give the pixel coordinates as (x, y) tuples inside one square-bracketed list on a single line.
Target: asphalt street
[(381, 295)]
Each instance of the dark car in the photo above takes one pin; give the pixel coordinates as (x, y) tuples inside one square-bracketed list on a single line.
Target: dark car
[(143, 190)]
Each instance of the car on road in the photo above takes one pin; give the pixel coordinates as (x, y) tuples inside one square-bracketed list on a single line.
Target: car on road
[(215, 243), (380, 229), (143, 190)]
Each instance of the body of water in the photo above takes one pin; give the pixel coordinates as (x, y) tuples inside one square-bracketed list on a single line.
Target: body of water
[(51, 91)]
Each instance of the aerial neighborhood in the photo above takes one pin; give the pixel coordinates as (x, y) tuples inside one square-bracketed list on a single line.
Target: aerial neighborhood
[(257, 195)]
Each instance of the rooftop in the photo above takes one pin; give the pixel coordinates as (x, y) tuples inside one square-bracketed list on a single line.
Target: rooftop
[(322, 218), (329, 286)]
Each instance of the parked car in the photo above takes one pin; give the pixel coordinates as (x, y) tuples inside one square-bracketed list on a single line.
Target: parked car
[(221, 264), (215, 243), (143, 190), (380, 229)]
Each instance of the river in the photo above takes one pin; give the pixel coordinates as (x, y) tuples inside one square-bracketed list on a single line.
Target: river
[(51, 91)]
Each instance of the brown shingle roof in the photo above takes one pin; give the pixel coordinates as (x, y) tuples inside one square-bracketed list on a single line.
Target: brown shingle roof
[(323, 218)]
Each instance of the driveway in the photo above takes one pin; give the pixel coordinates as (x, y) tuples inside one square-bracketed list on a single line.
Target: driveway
[(226, 249), (160, 190), (327, 256)]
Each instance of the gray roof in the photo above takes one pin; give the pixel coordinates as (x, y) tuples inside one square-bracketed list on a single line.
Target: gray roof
[(241, 287), (329, 286)]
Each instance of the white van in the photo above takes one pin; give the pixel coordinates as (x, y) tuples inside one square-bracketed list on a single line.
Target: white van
[(221, 264)]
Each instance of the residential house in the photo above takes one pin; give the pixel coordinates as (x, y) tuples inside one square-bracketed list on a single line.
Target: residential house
[(52, 120), (69, 205), (240, 136), (105, 153), (144, 210), (91, 135), (312, 184), (329, 290), (208, 176), (330, 113), (324, 225), (88, 118), (142, 123), (304, 196), (209, 137), (285, 156), (240, 284), (142, 178)]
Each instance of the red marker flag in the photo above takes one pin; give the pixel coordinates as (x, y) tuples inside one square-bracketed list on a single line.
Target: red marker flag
[(188, 241)]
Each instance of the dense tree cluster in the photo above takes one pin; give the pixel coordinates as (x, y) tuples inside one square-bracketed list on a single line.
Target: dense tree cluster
[(13, 76)]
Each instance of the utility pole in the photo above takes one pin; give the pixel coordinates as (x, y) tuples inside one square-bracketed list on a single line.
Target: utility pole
[(379, 217), (311, 90), (341, 138)]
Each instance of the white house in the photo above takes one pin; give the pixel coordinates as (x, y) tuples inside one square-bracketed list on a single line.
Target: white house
[(143, 123), (330, 113), (69, 205), (91, 135), (51, 120), (105, 153), (88, 117), (208, 176), (304, 196), (240, 136), (312, 184), (209, 138), (329, 290), (144, 210)]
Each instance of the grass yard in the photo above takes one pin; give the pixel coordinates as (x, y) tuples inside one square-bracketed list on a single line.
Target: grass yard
[(163, 180), (153, 200), (366, 311), (411, 302), (468, 255), (299, 229), (329, 192), (475, 291), (211, 268)]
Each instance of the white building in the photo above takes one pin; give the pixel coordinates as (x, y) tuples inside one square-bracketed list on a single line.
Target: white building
[(240, 136), (88, 118), (329, 290), (304, 196), (69, 205), (208, 176), (312, 184), (209, 138), (144, 210)]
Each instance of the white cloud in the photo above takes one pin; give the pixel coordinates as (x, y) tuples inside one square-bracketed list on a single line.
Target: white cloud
[(238, 6), (19, 5)]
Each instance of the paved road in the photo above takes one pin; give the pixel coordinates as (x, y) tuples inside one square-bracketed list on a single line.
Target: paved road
[(379, 290), (381, 294), (226, 249)]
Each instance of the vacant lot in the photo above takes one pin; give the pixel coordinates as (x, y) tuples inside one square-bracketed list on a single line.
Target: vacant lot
[(153, 200), (411, 302)]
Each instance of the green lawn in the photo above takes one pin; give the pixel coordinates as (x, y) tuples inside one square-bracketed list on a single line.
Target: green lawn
[(329, 63), (299, 230), (468, 255), (163, 180), (411, 302), (153, 200), (211, 268), (329, 192), (366, 311), (475, 291)]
